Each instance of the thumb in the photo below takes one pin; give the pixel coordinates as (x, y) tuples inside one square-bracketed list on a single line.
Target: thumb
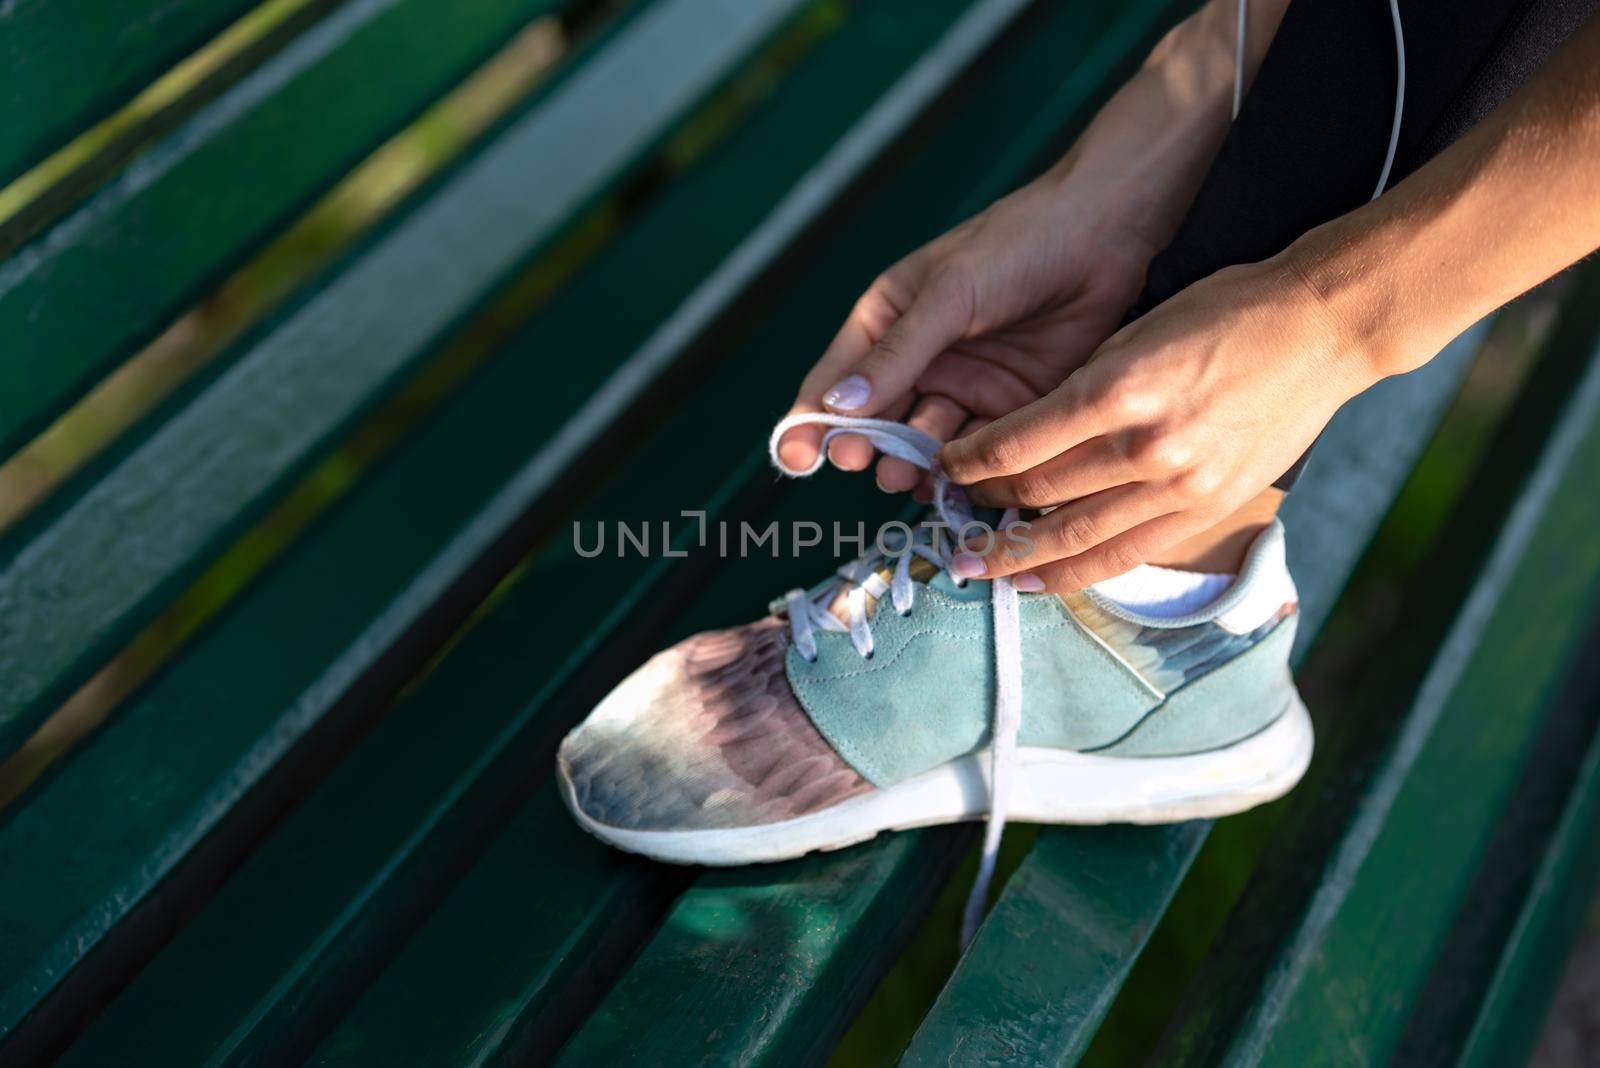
[(939, 317)]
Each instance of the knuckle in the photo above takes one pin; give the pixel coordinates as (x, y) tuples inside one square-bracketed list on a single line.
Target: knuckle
[(1126, 447), (1160, 451), (1035, 491), (884, 301), (996, 453), (1200, 482), (956, 460), (1077, 391), (1123, 557), (1077, 533), (889, 351), (1066, 578), (1125, 400), (1005, 560), (894, 287), (873, 312), (1170, 453)]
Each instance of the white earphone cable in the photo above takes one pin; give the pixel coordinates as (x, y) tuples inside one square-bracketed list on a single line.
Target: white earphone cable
[(1241, 40), (1399, 97)]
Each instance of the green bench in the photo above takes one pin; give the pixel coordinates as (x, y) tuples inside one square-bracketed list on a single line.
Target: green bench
[(284, 661)]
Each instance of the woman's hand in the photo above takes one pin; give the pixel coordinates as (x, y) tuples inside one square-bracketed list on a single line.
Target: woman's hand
[(1192, 410), (998, 311), (1177, 421), (978, 323)]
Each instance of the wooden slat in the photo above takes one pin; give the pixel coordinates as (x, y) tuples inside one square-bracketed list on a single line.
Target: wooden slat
[(109, 276), (1053, 1007), (1491, 979), (70, 63), (805, 939), (1313, 919), (101, 563), (1058, 946), (548, 941), (405, 573), (1357, 469), (1548, 926)]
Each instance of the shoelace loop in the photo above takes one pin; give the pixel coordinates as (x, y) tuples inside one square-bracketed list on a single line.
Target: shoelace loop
[(808, 614)]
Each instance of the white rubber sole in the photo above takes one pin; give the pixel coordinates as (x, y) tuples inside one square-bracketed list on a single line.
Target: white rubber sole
[(1051, 786)]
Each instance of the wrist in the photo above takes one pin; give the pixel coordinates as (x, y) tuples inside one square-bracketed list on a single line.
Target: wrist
[(1357, 274)]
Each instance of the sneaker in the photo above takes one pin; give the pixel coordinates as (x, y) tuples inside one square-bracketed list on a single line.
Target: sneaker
[(897, 695)]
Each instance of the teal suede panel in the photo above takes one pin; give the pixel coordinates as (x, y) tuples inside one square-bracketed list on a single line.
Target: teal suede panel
[(927, 694), (1221, 707)]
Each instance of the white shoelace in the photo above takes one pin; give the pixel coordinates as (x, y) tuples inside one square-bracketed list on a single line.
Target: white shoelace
[(808, 613)]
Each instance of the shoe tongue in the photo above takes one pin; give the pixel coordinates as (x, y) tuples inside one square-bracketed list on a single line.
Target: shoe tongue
[(921, 570)]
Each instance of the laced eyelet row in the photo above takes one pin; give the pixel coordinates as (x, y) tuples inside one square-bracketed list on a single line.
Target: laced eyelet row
[(807, 614)]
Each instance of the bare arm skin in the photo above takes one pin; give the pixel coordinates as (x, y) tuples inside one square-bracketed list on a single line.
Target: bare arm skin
[(995, 313), (1188, 413), (1514, 202)]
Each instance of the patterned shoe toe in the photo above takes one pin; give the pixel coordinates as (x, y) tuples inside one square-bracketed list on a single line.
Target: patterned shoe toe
[(707, 734)]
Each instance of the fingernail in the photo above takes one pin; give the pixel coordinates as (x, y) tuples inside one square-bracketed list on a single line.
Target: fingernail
[(967, 565), (1028, 582), (849, 394)]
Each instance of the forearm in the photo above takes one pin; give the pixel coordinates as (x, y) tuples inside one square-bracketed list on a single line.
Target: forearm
[(1138, 164), (1506, 207)]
